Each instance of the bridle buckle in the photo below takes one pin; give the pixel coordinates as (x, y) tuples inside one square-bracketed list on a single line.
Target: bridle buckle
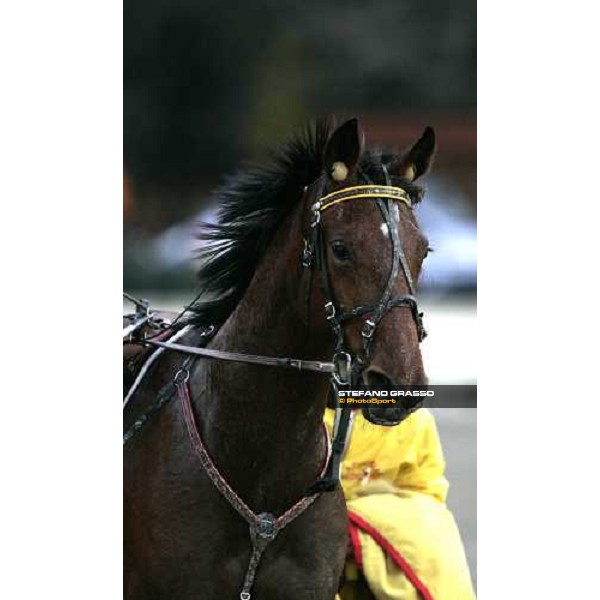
[(330, 311), (316, 218), (307, 255), (368, 329)]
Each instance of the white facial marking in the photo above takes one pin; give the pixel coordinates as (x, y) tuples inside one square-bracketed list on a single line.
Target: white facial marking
[(385, 230)]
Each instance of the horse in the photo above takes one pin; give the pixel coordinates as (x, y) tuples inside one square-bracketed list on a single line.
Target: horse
[(313, 255)]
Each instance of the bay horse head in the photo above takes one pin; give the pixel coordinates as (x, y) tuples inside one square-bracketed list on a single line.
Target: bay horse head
[(365, 242), (347, 210)]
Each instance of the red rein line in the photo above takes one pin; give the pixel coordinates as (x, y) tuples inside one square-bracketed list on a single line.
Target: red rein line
[(356, 522)]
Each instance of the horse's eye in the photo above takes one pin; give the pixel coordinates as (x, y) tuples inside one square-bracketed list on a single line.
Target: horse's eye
[(340, 250)]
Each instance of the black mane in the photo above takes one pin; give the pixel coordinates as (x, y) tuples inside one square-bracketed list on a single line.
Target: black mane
[(252, 204)]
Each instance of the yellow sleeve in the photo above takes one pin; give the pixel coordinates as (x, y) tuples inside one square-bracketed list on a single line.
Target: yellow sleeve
[(412, 515), (422, 465)]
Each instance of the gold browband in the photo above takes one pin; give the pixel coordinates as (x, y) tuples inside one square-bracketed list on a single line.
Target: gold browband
[(363, 191)]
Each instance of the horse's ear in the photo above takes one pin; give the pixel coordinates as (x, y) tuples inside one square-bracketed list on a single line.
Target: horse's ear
[(343, 150), (418, 159)]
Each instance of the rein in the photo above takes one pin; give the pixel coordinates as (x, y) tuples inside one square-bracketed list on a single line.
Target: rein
[(253, 359)]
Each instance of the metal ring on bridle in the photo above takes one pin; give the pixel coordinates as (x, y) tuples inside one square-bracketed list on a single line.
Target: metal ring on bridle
[(342, 368)]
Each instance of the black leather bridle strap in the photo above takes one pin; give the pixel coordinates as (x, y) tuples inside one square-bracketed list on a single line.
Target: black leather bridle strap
[(394, 210), (381, 307), (326, 289), (402, 256)]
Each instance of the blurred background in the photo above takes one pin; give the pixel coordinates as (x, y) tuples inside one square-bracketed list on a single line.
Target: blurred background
[(208, 85)]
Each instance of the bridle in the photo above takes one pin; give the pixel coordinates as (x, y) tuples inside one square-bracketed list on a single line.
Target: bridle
[(348, 368)]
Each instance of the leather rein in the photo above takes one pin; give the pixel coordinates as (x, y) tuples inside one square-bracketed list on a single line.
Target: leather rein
[(253, 359)]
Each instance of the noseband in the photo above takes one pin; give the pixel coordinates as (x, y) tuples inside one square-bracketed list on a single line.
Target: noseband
[(347, 369)]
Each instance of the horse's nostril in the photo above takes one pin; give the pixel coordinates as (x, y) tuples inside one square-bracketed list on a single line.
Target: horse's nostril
[(376, 379)]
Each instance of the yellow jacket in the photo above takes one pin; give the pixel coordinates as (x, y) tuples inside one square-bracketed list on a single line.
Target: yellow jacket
[(393, 479)]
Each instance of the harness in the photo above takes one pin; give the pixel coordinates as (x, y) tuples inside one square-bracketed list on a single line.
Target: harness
[(344, 368), (264, 527)]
